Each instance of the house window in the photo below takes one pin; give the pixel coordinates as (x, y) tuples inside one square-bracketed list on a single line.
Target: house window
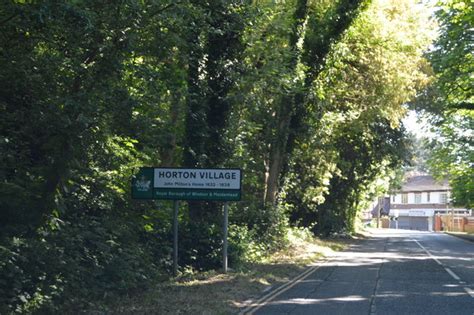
[(404, 198), (393, 198), (417, 197), (428, 196), (443, 198)]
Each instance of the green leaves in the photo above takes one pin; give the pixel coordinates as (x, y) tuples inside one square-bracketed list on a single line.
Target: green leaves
[(449, 100), (452, 156), (354, 136), (452, 58)]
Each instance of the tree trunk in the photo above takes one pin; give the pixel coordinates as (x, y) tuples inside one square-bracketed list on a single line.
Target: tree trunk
[(285, 111), (292, 110), (168, 159), (210, 79)]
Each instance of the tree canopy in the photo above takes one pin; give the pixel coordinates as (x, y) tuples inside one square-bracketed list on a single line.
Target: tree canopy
[(449, 100)]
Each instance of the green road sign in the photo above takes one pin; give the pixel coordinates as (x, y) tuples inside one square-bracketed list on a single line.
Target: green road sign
[(187, 184)]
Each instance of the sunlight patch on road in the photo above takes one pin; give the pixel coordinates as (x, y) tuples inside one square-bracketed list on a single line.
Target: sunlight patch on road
[(391, 295), (349, 298), (362, 259), (448, 293)]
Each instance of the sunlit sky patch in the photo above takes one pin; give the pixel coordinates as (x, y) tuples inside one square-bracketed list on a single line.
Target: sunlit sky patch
[(417, 125)]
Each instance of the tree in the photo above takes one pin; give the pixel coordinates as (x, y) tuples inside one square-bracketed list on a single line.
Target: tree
[(314, 28), (55, 88), (212, 70), (376, 67), (452, 157), (451, 93), (451, 57)]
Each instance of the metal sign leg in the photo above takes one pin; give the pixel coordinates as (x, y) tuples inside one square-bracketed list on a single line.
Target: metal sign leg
[(175, 237), (224, 248)]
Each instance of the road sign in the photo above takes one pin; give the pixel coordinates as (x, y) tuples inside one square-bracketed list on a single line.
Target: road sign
[(223, 184), (187, 184)]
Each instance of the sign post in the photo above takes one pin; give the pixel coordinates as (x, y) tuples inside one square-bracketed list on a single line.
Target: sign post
[(397, 213), (223, 184), (175, 237), (224, 247)]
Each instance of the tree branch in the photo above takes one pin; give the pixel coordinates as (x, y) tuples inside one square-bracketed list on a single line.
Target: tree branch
[(166, 7), (8, 19)]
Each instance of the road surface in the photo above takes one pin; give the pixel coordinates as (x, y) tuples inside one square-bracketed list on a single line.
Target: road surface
[(392, 272)]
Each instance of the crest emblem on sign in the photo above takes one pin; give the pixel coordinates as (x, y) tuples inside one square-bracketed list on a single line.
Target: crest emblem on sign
[(143, 184)]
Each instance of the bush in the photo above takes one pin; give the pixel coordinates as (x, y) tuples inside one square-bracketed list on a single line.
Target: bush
[(200, 245), (75, 266), (243, 246)]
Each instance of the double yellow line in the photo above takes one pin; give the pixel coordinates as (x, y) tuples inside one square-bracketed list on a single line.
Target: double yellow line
[(254, 306)]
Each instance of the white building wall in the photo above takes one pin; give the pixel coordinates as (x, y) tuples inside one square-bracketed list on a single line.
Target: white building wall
[(435, 197)]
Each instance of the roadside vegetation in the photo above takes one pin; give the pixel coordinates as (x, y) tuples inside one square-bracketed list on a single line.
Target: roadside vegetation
[(213, 292), (306, 97), (448, 102)]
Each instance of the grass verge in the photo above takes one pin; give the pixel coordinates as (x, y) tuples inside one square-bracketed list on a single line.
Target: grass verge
[(463, 235), (217, 293)]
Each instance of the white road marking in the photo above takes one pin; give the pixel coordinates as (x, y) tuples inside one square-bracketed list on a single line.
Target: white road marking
[(455, 276), (469, 291), (428, 252)]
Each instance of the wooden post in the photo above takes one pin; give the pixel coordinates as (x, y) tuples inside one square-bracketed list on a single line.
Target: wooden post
[(462, 224), (438, 223), (452, 220)]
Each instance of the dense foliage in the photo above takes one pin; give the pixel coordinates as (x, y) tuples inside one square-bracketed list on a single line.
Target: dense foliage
[(305, 96), (449, 103)]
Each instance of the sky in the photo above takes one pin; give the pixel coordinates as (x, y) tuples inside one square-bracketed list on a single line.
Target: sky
[(417, 125)]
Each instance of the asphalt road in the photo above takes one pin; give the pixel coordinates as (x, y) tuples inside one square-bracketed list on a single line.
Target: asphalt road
[(392, 272)]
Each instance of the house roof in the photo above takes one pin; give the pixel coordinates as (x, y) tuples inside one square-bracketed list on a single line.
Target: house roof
[(424, 183)]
